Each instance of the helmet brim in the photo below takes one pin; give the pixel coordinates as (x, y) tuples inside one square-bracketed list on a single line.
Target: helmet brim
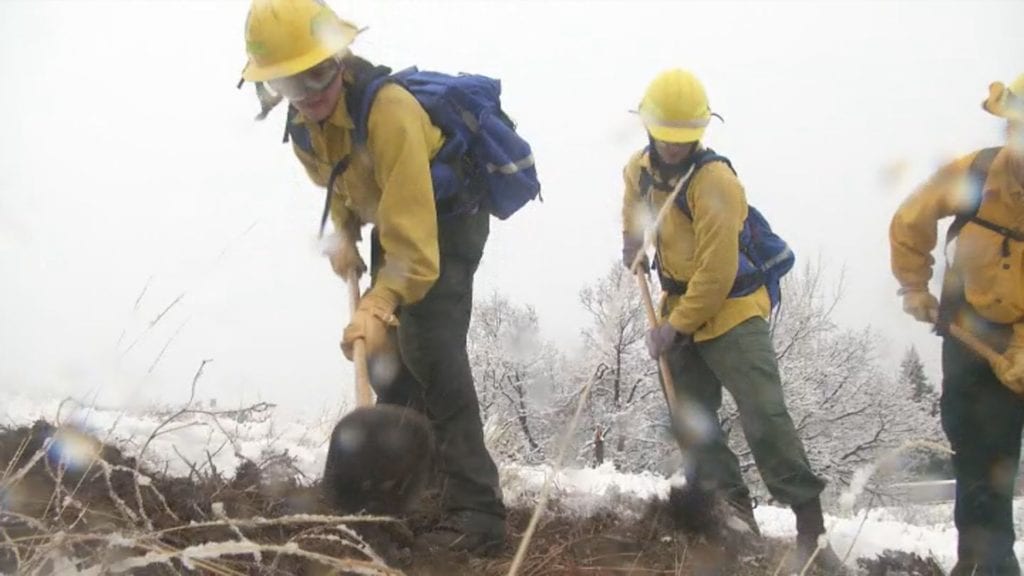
[(255, 72), (999, 102)]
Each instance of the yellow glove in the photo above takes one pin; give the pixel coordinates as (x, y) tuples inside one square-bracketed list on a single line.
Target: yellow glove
[(921, 305), (370, 323), (344, 256), (1010, 369)]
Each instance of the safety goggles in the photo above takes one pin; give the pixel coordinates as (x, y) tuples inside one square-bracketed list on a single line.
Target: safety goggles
[(308, 82)]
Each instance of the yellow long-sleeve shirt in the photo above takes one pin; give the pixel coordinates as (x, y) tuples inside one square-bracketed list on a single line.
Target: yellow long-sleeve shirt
[(703, 252), (993, 278), (387, 183)]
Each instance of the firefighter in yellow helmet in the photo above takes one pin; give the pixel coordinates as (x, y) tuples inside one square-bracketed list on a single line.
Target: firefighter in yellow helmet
[(709, 339), (421, 296), (983, 292)]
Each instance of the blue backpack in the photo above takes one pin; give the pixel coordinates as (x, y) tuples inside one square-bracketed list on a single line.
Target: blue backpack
[(483, 163), (764, 257)]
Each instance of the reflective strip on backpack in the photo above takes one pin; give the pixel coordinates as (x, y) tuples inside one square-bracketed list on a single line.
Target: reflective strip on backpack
[(469, 119), (511, 167), (781, 256)]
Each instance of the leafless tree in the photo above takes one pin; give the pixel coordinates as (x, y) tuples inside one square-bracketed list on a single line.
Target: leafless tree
[(515, 372), (627, 411), (848, 408)]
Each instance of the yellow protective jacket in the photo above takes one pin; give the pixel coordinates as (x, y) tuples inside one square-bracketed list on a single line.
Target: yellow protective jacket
[(387, 183), (991, 268), (704, 252)]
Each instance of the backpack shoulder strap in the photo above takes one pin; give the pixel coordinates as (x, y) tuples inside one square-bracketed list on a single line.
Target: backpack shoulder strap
[(953, 297), (367, 80), (646, 181), (297, 132), (336, 171), (288, 123), (704, 157), (977, 174)]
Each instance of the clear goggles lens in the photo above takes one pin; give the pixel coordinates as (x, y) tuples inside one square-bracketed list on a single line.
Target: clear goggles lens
[(308, 82)]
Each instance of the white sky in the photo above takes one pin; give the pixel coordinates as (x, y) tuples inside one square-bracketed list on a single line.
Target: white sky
[(126, 154)]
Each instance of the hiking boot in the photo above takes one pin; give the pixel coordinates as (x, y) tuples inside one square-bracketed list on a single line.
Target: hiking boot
[(470, 532), (825, 562), (726, 524), (739, 514), (968, 568), (810, 526), (701, 511), (963, 568)]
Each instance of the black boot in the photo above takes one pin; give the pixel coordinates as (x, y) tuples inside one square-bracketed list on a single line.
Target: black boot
[(741, 513), (476, 533), (968, 568), (728, 522), (810, 526), (982, 551)]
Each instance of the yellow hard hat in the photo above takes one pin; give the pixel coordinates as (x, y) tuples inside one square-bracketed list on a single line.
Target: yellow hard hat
[(285, 37), (675, 107), (1006, 101)]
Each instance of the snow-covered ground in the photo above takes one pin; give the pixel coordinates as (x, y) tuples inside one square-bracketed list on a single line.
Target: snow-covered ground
[(198, 439), (926, 530)]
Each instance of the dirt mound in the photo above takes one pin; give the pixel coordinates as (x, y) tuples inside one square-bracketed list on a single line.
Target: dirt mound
[(69, 502), (896, 563)]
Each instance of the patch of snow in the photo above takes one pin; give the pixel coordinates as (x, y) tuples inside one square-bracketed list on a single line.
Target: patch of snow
[(584, 492), (935, 538), (198, 439)]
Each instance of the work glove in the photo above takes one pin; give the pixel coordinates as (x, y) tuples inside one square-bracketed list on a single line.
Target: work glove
[(921, 305), (663, 337), (630, 247), (374, 316), (1010, 369), (344, 256)]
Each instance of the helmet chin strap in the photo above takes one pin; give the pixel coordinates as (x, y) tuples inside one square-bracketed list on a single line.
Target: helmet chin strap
[(667, 171), (268, 100)]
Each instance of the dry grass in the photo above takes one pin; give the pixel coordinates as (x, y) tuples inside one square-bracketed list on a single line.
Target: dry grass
[(108, 514), (102, 512)]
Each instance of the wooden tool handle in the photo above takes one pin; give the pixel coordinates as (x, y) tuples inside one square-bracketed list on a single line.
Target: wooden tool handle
[(667, 384), (977, 345), (364, 394), (652, 232)]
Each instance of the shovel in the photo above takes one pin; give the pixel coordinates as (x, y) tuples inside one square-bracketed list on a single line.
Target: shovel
[(380, 456), (667, 383), (688, 507)]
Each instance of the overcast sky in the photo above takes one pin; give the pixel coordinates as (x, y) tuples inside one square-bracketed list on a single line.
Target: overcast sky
[(129, 163)]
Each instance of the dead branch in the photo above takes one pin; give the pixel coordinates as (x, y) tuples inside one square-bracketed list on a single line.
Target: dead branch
[(156, 431), (218, 549)]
